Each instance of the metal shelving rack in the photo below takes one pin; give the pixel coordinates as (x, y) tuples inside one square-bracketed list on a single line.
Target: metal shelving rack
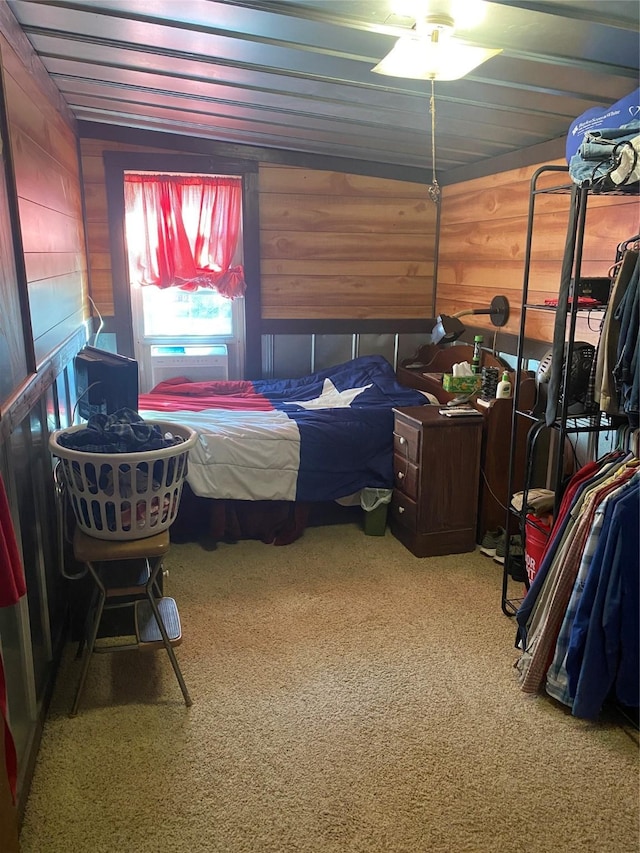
[(566, 313)]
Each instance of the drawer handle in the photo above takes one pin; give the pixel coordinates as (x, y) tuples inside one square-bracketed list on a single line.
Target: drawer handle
[(400, 475), (402, 440), (400, 509)]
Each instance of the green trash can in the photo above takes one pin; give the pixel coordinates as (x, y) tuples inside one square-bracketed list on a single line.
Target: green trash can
[(375, 503), (375, 520)]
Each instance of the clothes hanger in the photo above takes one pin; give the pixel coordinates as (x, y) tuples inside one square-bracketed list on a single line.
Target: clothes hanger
[(626, 245)]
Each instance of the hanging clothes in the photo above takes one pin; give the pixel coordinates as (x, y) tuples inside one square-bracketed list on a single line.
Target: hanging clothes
[(626, 373), (12, 588), (552, 603), (557, 682), (586, 545), (576, 485), (605, 392)]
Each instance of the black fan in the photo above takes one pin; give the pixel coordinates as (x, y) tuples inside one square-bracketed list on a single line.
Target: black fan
[(582, 358)]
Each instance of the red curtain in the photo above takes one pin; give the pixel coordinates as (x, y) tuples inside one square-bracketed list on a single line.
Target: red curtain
[(183, 231)]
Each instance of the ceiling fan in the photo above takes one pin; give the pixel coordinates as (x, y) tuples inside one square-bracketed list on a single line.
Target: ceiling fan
[(431, 51)]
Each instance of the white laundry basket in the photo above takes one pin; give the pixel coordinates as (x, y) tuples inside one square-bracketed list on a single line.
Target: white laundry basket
[(125, 495)]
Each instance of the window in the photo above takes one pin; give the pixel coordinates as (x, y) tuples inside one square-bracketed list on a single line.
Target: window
[(185, 253), (175, 313), (245, 352)]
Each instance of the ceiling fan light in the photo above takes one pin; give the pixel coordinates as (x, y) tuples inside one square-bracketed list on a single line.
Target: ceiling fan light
[(460, 59), (434, 27), (418, 59)]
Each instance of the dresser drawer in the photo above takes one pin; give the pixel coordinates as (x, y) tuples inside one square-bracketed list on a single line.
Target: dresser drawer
[(404, 509), (407, 441), (406, 476)]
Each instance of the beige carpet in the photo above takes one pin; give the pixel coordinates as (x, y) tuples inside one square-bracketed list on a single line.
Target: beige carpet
[(347, 697)]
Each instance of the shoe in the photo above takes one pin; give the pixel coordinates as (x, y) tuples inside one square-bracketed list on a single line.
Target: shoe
[(490, 541), (516, 569), (515, 549)]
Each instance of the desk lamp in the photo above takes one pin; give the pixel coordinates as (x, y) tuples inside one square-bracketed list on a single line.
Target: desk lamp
[(449, 328)]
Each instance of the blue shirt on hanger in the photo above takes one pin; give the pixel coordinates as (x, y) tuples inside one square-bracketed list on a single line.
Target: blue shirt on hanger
[(604, 646)]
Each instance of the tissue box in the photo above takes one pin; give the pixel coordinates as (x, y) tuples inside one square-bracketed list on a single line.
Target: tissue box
[(461, 384)]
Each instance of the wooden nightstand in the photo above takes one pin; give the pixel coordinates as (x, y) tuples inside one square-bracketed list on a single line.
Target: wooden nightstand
[(496, 428), (436, 472)]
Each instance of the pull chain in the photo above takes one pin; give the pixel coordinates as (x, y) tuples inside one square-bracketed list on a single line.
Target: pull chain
[(434, 189)]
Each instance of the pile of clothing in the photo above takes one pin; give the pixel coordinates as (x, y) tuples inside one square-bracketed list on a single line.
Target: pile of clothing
[(124, 431), (603, 147)]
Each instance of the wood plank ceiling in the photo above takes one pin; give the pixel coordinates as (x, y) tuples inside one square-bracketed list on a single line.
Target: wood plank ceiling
[(297, 75)]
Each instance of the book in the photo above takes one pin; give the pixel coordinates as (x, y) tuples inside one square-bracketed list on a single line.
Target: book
[(454, 412)]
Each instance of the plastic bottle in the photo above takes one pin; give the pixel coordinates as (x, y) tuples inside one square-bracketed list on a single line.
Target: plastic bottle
[(503, 390), (477, 354)]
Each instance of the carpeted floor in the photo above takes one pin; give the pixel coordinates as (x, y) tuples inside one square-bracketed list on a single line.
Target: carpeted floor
[(348, 698)]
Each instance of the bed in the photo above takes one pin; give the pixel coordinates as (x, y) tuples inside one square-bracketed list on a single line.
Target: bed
[(322, 437)]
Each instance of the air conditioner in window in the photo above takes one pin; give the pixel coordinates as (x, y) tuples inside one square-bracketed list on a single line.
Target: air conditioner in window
[(200, 363)]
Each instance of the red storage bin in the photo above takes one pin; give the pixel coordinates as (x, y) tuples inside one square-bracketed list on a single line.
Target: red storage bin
[(535, 538)]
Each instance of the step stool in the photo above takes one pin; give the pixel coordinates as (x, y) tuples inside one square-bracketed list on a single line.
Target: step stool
[(127, 575)]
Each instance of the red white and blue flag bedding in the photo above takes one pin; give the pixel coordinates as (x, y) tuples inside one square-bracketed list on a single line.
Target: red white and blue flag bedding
[(321, 437)]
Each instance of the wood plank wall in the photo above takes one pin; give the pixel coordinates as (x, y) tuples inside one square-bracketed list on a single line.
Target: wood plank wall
[(333, 245), (51, 273), (342, 246), (47, 176), (330, 249), (482, 241)]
